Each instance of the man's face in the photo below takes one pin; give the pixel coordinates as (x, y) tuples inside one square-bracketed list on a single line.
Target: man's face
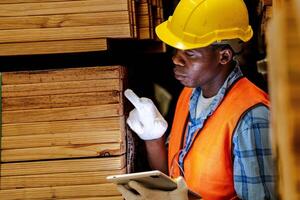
[(196, 67)]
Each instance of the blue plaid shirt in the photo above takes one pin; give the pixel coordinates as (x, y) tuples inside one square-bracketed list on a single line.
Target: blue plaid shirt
[(253, 164)]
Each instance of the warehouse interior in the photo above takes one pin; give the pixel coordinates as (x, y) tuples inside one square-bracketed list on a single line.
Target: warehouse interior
[(65, 65)]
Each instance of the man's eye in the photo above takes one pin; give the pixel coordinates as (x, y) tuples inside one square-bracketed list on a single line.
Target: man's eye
[(189, 53)]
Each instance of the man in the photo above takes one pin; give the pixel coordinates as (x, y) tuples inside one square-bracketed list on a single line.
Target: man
[(219, 140)]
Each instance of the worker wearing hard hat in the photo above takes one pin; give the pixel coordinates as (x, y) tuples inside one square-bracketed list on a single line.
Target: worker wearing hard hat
[(219, 140)]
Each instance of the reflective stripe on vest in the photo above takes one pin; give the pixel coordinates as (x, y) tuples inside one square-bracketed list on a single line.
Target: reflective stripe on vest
[(208, 166)]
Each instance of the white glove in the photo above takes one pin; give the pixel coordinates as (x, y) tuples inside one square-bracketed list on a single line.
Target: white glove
[(145, 119), (181, 193)]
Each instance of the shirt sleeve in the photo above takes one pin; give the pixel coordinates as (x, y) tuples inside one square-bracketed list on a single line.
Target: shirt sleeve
[(252, 156)]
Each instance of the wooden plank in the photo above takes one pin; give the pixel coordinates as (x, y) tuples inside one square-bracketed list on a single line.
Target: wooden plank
[(130, 17), (62, 7), (61, 100), (143, 21), (63, 166), (51, 47), (56, 114), (134, 17), (57, 179), (38, 89), (144, 33), (69, 20), (62, 139), (59, 127), (99, 198), (142, 9), (59, 152), (151, 19), (62, 75), (31, 1), (65, 33), (108, 189)]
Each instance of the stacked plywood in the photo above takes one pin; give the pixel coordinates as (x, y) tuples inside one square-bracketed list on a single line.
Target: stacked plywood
[(62, 133), (145, 15), (58, 26), (284, 70)]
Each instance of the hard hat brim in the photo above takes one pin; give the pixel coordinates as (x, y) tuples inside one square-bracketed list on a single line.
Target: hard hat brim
[(165, 35)]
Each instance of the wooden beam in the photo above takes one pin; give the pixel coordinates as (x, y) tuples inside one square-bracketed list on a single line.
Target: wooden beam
[(62, 139), (31, 1), (68, 20), (65, 33), (142, 9), (52, 47), (38, 89), (144, 33), (99, 198), (99, 125), (108, 189), (59, 152), (62, 75), (61, 100), (143, 21), (57, 114), (62, 7), (57, 179), (63, 166)]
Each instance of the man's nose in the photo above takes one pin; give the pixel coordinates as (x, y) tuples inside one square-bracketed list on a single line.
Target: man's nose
[(177, 59)]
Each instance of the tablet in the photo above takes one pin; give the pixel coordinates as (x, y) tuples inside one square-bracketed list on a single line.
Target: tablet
[(152, 179)]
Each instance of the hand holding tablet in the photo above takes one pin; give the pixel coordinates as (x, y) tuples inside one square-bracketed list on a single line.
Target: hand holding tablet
[(153, 180)]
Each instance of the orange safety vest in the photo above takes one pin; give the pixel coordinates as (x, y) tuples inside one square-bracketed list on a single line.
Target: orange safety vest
[(208, 166)]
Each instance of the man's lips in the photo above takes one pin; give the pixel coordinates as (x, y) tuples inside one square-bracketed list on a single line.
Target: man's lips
[(178, 75)]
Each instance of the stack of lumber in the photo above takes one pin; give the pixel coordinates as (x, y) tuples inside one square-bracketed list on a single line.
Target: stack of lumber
[(63, 132), (30, 27), (145, 15), (284, 70), (265, 11)]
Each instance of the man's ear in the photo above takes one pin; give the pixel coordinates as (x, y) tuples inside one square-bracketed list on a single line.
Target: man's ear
[(226, 56)]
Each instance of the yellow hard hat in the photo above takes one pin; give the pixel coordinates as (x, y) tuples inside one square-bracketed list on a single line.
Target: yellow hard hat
[(199, 23)]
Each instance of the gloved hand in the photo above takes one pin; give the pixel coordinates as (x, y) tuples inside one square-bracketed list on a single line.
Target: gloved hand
[(145, 119), (181, 193)]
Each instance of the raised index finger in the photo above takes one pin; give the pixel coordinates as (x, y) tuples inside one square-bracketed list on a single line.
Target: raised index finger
[(133, 98)]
